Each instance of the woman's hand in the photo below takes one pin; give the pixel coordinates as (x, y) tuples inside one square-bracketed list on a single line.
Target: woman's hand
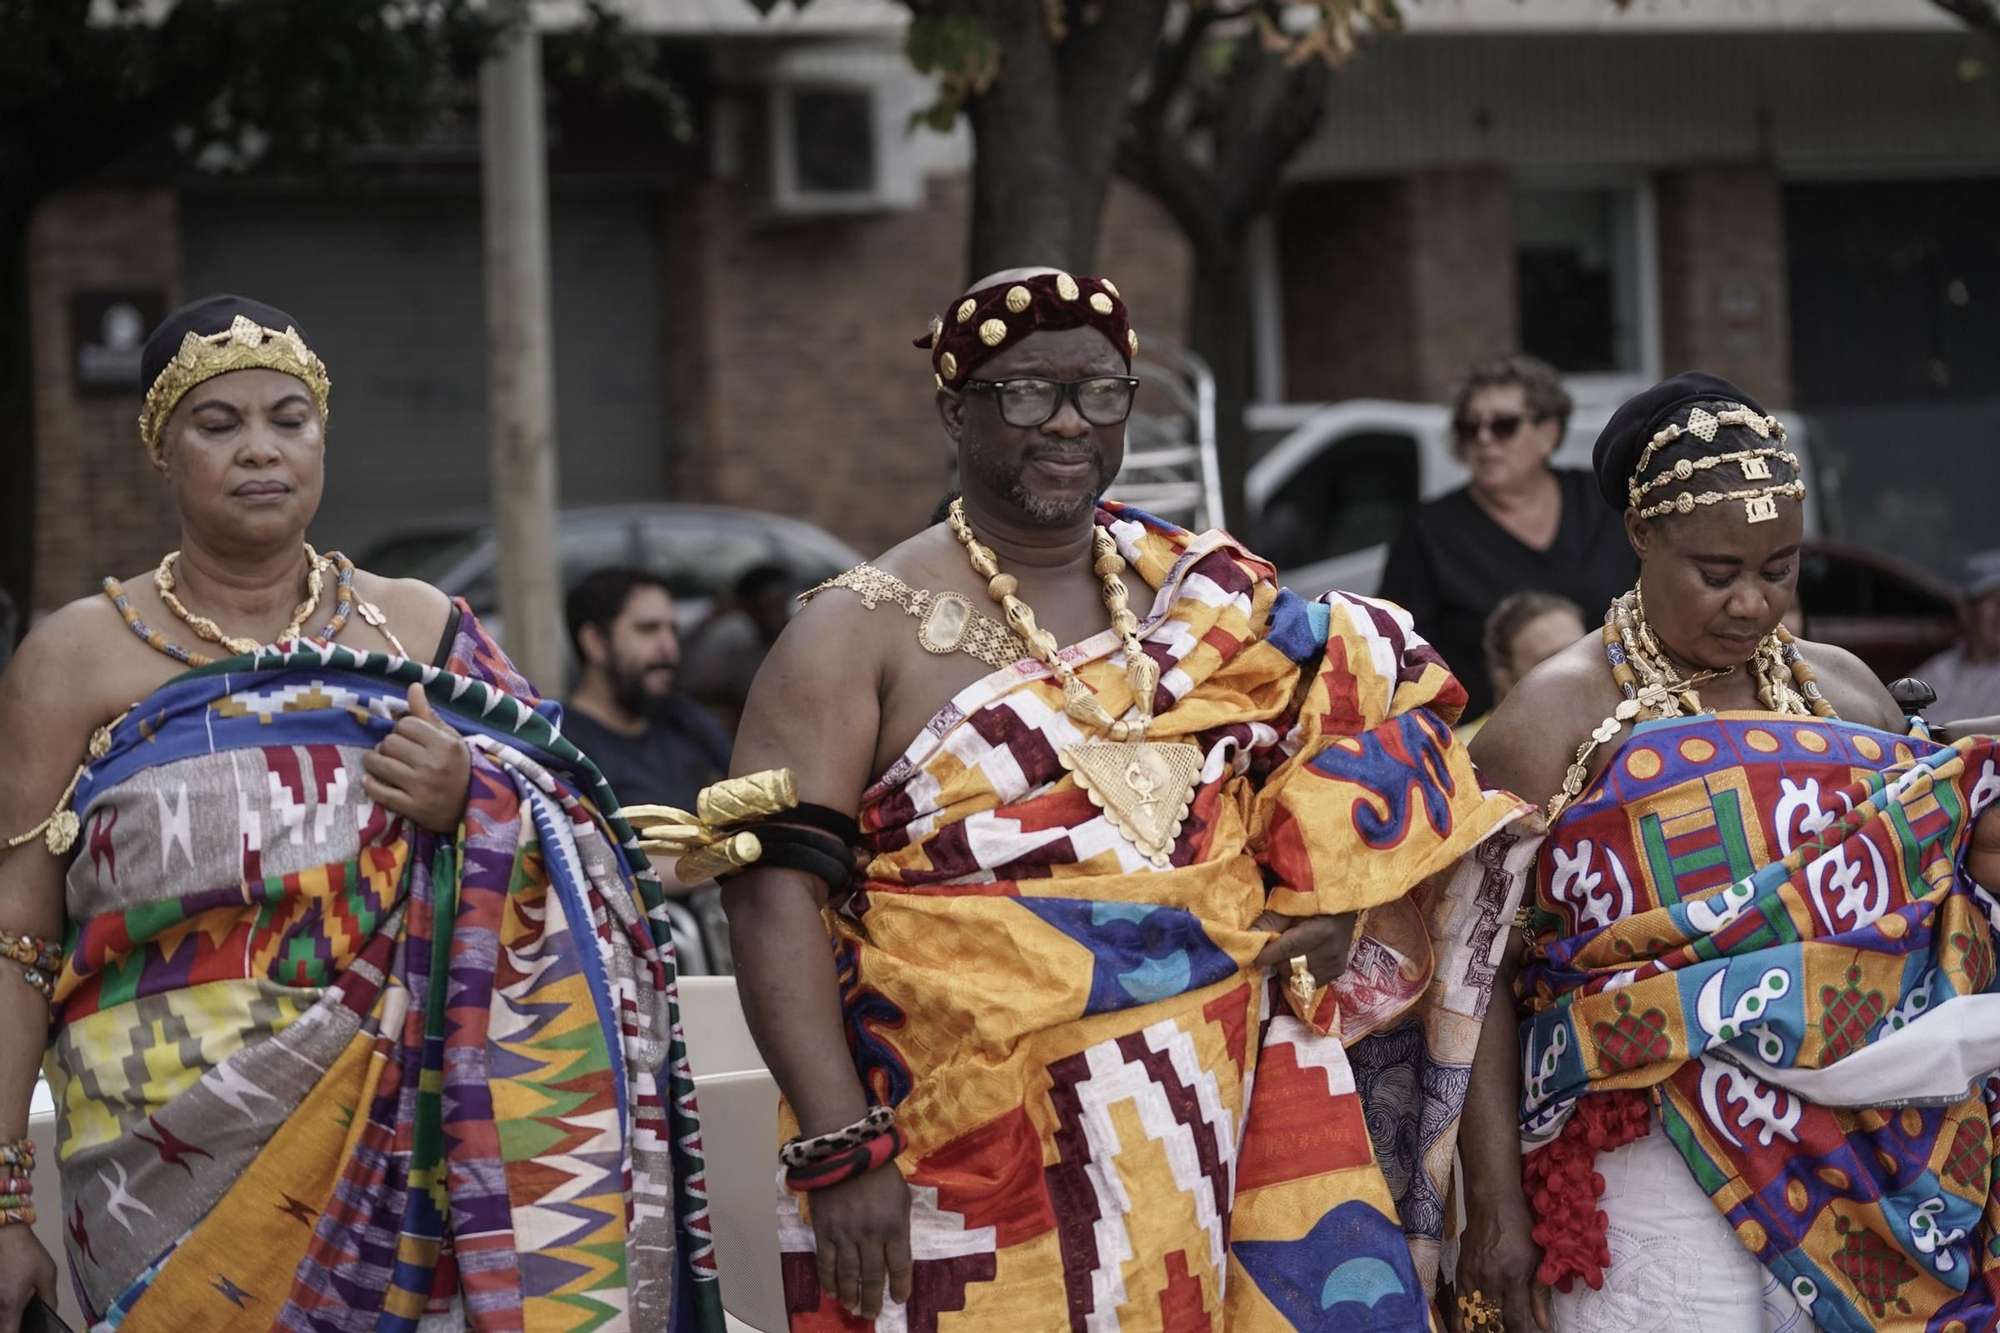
[(863, 1230), (26, 1271), (421, 770), (1497, 1257), (1324, 940)]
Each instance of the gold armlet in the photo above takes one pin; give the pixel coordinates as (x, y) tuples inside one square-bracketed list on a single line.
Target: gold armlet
[(707, 843)]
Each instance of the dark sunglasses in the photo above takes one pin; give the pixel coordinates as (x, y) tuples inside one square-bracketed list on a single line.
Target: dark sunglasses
[(1502, 426), (1102, 400)]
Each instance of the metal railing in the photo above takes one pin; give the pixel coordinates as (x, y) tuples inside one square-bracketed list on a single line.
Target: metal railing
[(1170, 468)]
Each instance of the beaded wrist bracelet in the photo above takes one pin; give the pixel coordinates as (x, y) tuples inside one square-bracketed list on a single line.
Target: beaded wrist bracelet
[(21, 1153), (11, 1217), (41, 959)]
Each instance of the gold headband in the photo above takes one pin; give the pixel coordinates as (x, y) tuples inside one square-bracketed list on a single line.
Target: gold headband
[(244, 345), (1759, 506)]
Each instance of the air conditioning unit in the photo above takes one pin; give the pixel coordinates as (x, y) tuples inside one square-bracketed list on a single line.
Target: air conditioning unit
[(826, 130)]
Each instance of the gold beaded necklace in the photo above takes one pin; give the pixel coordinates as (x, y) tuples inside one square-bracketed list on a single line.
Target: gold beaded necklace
[(1645, 676), (163, 583), (1143, 787)]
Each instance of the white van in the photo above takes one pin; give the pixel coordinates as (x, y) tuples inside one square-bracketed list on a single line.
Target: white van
[(1335, 481)]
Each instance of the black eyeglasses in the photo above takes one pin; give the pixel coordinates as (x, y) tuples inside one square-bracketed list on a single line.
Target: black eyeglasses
[(1502, 426), (1102, 400)]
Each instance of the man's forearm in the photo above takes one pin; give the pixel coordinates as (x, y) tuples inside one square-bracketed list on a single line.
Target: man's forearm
[(790, 995), (1489, 1141)]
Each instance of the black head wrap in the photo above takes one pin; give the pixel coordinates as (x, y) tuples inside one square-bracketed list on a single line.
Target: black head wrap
[(213, 336), (1632, 426)]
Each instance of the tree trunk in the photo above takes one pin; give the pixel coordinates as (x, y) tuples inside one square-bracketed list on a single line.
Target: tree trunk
[(1020, 194), (1221, 319), (17, 404)]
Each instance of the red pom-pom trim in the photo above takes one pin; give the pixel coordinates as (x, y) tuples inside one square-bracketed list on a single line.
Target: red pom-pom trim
[(1563, 1186)]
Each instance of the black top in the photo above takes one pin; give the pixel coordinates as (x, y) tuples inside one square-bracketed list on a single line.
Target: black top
[(1452, 564), (682, 751)]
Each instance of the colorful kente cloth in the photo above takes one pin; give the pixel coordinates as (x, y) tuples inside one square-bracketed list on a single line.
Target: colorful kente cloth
[(316, 1070), (1072, 1039), (1762, 922)]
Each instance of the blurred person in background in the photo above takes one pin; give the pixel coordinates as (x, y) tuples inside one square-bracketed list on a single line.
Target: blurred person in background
[(653, 743), (723, 656), (1966, 676), (1525, 630), (1519, 524)]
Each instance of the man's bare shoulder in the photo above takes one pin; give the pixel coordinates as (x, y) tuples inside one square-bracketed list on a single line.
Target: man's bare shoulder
[(924, 561)]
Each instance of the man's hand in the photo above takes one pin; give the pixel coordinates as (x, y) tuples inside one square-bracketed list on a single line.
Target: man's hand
[(1324, 940), (421, 770), (863, 1229), (25, 1271)]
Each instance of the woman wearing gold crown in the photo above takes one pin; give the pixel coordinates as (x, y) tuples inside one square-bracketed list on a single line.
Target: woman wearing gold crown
[(1757, 1059), (359, 1003)]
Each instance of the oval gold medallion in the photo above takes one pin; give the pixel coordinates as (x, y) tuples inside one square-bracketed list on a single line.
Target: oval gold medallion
[(1066, 287), (949, 365), (993, 332), (1101, 303), (1132, 340), (1019, 298), (945, 625), (1106, 284), (965, 309)]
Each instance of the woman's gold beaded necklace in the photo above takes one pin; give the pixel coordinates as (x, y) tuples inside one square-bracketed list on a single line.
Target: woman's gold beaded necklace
[(1646, 677), (204, 628)]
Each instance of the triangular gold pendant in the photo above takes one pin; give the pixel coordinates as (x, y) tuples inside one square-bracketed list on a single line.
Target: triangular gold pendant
[(1143, 788)]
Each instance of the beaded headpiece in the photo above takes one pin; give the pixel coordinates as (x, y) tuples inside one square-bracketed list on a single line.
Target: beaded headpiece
[(245, 344), (992, 319), (1760, 503)]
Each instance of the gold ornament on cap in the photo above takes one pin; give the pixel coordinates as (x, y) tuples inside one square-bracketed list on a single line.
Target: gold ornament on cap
[(1066, 287), (1132, 340), (1019, 298), (948, 364), (1101, 303), (965, 309), (937, 330), (993, 332), (1106, 284), (244, 345)]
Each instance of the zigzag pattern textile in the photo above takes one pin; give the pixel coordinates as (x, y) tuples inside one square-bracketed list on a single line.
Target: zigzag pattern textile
[(1114, 1121), (316, 1070), (1756, 933)]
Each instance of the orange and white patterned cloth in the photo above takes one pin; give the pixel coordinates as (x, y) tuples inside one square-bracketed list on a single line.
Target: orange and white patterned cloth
[(1113, 1122)]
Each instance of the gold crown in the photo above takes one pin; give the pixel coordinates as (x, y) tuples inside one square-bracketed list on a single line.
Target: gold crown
[(244, 345)]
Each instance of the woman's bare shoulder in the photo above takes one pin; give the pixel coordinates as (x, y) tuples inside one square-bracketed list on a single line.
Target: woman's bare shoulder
[(1533, 736), (416, 611), (1855, 691)]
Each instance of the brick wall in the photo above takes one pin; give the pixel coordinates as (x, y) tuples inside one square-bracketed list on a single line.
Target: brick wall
[(1393, 287), (100, 508), (1724, 300), (795, 384)]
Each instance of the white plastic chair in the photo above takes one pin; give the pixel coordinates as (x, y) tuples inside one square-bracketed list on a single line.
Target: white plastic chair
[(49, 1215), (718, 1036), (739, 1133)]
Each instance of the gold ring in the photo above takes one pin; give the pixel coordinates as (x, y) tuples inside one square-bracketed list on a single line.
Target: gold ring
[(1302, 983), (1476, 1311)]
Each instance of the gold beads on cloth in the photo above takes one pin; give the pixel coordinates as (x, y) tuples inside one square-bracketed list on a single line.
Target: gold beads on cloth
[(1101, 303), (948, 364), (1105, 283), (993, 332), (965, 309), (1066, 287), (1132, 340), (1019, 298)]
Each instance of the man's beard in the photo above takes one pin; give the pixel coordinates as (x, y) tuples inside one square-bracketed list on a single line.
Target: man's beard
[(634, 695), (1011, 484)]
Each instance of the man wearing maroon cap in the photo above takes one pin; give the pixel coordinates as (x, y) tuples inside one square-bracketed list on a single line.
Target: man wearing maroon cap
[(1103, 828)]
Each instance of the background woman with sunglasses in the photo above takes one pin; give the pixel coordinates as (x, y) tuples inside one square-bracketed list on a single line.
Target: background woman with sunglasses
[(1519, 525)]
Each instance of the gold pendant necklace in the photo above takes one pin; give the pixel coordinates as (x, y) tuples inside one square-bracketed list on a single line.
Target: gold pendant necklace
[(163, 583), (1143, 787)]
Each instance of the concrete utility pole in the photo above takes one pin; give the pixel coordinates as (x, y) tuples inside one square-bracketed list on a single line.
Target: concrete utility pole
[(521, 374)]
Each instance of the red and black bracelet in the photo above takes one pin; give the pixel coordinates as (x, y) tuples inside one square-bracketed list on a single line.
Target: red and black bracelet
[(845, 1165)]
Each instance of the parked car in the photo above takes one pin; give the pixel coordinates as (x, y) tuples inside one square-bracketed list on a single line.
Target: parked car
[(1335, 482), (700, 550)]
